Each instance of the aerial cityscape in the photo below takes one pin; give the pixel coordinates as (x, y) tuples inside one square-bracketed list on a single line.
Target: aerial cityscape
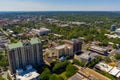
[(59, 40)]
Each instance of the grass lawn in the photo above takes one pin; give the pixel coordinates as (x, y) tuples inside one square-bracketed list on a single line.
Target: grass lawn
[(63, 75)]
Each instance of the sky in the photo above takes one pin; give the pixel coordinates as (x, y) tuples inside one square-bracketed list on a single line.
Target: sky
[(59, 5)]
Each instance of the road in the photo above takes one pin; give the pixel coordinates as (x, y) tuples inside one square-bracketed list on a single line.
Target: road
[(5, 33)]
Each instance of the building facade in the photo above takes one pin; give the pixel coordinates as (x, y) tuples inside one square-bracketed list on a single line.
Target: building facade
[(76, 44), (63, 50), (22, 54), (98, 50), (42, 31)]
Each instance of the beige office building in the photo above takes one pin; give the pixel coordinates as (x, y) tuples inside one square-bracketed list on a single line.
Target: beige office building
[(63, 50)]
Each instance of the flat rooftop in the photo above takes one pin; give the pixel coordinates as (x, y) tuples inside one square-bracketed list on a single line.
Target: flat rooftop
[(98, 48), (28, 74), (104, 67), (60, 47), (114, 71), (20, 44)]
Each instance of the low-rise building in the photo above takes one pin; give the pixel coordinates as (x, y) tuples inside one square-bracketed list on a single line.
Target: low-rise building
[(4, 41), (98, 50), (117, 31), (103, 67), (114, 71), (10, 31), (28, 74), (79, 23), (112, 36), (99, 22), (113, 27), (1, 33), (86, 57), (42, 31), (1, 50)]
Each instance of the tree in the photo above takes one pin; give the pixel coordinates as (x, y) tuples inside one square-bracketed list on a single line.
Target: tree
[(117, 57), (77, 62), (60, 78), (60, 67), (45, 74), (71, 70), (107, 59), (13, 40), (92, 63), (8, 77), (1, 78), (115, 46), (3, 61), (55, 77)]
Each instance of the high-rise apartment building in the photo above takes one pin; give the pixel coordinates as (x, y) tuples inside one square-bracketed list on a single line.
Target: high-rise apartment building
[(22, 54), (76, 44)]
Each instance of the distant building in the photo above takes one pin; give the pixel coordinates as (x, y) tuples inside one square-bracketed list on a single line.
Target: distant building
[(10, 31), (99, 50), (1, 34), (1, 50), (117, 31), (28, 74), (76, 44), (86, 57), (79, 23), (4, 41), (113, 27), (112, 36), (99, 22), (23, 54), (118, 51), (63, 25), (42, 31)]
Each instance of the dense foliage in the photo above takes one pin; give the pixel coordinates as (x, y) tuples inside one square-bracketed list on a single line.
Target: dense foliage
[(1, 78), (107, 59), (117, 57), (92, 63), (75, 61), (3, 61), (70, 70), (60, 67), (54, 72), (45, 74)]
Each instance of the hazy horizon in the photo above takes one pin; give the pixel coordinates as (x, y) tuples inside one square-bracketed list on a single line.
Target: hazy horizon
[(59, 5)]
